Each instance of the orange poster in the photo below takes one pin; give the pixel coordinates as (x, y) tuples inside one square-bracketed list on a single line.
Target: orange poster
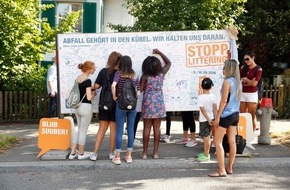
[(53, 134), (242, 126)]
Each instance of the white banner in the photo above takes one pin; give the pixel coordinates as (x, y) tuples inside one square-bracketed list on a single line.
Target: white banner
[(194, 56)]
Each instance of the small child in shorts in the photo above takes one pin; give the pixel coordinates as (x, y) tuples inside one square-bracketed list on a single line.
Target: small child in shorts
[(208, 109)]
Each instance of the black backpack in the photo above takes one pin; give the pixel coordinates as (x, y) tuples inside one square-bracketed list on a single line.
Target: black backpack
[(127, 100), (260, 85), (107, 102)]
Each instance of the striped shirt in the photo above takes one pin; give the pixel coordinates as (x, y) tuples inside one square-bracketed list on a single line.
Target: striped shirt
[(121, 80)]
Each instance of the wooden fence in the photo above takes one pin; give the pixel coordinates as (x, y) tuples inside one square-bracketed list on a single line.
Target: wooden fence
[(33, 105), (23, 105), (279, 95)]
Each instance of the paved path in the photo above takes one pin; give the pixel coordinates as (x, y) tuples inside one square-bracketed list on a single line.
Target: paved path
[(24, 157)]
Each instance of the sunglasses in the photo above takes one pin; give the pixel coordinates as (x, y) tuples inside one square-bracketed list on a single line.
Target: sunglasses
[(247, 59)]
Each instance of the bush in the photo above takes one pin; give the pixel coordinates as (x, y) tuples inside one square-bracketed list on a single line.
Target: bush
[(8, 142)]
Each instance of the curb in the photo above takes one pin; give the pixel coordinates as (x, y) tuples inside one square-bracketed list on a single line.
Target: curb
[(44, 166)]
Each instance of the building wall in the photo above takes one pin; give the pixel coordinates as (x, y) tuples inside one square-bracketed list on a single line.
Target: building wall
[(97, 14), (115, 13)]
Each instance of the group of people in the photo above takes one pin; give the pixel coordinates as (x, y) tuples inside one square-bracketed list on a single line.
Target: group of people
[(118, 69), (238, 94)]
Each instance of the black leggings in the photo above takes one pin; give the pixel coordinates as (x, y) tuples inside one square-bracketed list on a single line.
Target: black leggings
[(137, 119), (168, 123), (188, 121)]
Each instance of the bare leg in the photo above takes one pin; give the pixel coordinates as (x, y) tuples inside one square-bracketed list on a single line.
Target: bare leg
[(156, 128), (100, 135), (185, 135), (73, 149), (81, 149), (192, 136), (113, 133), (146, 135), (252, 108), (243, 107), (206, 145), (128, 154), (231, 133), (218, 137)]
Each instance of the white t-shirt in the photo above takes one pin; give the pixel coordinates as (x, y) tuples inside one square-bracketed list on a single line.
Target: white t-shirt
[(207, 101), (52, 77)]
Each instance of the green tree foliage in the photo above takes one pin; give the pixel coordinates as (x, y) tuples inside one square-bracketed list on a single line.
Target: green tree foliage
[(171, 15), (266, 30), (24, 39)]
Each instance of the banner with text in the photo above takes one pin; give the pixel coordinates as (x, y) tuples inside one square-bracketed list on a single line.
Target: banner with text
[(194, 56)]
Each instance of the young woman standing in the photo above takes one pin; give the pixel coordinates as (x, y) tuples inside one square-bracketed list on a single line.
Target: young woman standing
[(250, 75), (227, 118), (106, 117), (125, 72), (153, 107), (84, 112)]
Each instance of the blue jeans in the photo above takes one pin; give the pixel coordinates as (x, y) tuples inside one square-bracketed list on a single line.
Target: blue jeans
[(121, 116)]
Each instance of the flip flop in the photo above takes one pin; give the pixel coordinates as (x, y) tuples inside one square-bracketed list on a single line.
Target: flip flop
[(143, 156), (217, 174), (228, 172), (155, 156)]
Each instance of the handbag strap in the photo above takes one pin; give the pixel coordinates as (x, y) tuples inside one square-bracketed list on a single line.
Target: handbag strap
[(108, 77), (83, 98), (82, 80)]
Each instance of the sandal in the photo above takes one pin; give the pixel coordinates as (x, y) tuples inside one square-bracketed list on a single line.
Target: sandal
[(217, 174), (128, 159), (155, 156), (116, 160), (144, 156), (228, 172)]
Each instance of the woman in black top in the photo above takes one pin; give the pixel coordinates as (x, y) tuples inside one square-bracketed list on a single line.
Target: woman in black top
[(106, 117), (84, 112)]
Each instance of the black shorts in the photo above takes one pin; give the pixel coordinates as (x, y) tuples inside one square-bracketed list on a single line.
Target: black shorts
[(231, 120), (107, 115)]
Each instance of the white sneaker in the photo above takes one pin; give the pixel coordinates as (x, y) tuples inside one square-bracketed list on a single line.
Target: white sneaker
[(182, 141), (73, 156), (167, 138), (84, 156), (93, 156), (125, 131), (191, 143), (111, 155), (137, 143)]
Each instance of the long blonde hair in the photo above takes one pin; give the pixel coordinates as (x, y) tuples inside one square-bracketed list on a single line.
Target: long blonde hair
[(232, 70)]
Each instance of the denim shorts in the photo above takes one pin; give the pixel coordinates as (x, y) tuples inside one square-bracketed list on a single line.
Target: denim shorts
[(231, 120), (204, 129)]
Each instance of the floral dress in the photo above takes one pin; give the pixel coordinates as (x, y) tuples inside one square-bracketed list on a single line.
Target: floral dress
[(153, 103)]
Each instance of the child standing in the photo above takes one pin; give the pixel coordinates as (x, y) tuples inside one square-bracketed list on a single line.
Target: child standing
[(208, 109)]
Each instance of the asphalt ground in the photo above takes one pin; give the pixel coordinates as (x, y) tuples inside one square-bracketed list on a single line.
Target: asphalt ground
[(24, 156)]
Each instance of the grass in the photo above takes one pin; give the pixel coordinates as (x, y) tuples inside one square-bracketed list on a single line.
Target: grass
[(282, 138), (7, 142)]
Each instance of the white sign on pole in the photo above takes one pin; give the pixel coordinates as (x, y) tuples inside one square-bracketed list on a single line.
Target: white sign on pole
[(194, 56)]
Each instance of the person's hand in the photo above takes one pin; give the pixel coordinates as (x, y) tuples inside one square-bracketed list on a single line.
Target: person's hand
[(216, 122), (156, 51), (115, 98), (244, 79), (52, 94), (210, 122)]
